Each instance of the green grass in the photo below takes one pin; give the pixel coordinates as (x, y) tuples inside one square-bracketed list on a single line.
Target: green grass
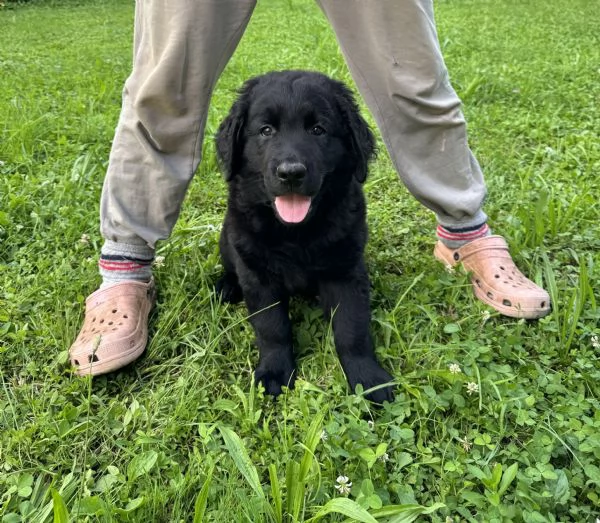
[(184, 434)]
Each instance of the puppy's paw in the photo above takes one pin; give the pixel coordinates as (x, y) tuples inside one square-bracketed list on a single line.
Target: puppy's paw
[(229, 289), (369, 373), (274, 374)]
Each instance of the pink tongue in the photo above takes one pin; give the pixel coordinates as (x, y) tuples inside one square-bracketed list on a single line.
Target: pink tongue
[(292, 208)]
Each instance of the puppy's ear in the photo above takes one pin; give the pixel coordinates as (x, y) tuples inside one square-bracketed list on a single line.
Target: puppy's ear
[(229, 137), (362, 140)]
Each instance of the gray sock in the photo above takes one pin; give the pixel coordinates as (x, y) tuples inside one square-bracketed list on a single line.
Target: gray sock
[(122, 261), (455, 237)]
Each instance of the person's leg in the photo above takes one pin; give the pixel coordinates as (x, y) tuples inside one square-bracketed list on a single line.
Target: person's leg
[(392, 51), (393, 54), (180, 49)]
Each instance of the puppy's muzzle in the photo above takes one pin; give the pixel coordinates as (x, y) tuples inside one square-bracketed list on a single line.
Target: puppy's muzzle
[(291, 173)]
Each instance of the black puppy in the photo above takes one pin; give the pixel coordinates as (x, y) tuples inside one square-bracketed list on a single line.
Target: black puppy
[(295, 150)]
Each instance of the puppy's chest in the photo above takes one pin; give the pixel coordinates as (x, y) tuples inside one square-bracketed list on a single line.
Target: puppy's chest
[(299, 268), (294, 267)]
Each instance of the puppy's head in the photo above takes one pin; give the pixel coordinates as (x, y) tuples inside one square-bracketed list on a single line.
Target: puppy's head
[(289, 136)]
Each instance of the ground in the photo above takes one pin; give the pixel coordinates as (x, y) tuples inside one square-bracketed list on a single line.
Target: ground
[(496, 419)]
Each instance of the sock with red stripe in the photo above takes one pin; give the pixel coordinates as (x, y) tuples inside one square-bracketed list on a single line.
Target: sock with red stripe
[(455, 237), (122, 261)]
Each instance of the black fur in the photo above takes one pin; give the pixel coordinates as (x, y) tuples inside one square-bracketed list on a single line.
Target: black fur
[(298, 132)]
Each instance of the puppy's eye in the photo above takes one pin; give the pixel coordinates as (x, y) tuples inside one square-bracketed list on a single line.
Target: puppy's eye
[(317, 130), (266, 130)]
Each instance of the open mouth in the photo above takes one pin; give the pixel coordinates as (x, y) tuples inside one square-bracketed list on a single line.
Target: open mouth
[(292, 208)]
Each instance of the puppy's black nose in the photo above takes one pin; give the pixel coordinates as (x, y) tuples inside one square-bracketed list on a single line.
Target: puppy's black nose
[(291, 172)]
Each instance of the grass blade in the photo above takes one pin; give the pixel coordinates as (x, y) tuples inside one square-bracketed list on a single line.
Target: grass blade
[(405, 513), (242, 461), (298, 480), (507, 478), (312, 439), (141, 464), (346, 507), (276, 497), (61, 514), (202, 499)]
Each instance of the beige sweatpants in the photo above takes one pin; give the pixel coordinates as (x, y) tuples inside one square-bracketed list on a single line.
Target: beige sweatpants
[(182, 46)]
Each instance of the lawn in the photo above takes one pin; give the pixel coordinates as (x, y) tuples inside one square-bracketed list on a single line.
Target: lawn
[(513, 434)]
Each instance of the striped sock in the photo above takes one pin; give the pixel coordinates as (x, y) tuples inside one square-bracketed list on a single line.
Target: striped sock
[(455, 237), (122, 261)]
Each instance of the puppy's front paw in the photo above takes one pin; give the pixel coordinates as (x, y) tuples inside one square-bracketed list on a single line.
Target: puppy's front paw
[(275, 373), (369, 373), (229, 289)]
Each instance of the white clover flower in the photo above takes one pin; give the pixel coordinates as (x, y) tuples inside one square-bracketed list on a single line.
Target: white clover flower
[(85, 239), (371, 424), (384, 457), (324, 435), (466, 444), (454, 368), (343, 485), (449, 269), (596, 345), (159, 261), (485, 316), (472, 387)]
